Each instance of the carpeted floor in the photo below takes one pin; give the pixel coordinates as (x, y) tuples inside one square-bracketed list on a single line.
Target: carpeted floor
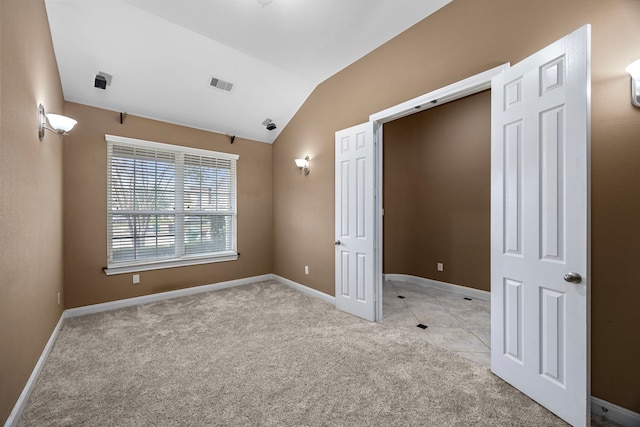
[(261, 355)]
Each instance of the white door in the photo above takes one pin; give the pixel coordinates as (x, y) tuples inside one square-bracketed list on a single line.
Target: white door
[(355, 204), (540, 226)]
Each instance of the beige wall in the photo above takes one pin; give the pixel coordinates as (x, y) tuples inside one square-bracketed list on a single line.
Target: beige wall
[(464, 38), (437, 182), (85, 208), (30, 196)]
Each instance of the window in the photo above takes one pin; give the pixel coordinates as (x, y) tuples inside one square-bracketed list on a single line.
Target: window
[(168, 205)]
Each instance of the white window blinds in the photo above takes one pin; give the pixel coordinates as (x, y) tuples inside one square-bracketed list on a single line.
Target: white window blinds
[(167, 202)]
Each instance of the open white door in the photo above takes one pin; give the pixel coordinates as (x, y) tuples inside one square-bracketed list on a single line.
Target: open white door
[(540, 226), (355, 205)]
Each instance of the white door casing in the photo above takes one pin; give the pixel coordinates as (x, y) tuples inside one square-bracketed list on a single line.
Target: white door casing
[(358, 208), (355, 206), (540, 226)]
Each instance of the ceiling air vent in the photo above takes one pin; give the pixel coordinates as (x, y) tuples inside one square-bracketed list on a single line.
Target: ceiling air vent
[(221, 84)]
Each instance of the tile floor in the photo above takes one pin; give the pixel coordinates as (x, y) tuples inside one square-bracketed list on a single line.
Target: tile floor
[(453, 323), (456, 324)]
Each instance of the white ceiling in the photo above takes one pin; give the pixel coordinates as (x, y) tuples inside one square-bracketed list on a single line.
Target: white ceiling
[(163, 53)]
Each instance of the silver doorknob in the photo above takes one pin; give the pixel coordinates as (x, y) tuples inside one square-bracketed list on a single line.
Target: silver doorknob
[(337, 242), (573, 278)]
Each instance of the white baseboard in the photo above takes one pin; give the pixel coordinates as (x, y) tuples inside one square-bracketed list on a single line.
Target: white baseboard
[(615, 413), (305, 289), (145, 299), (462, 290), (15, 414)]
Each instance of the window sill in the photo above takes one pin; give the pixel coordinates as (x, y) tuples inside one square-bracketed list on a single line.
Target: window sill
[(159, 265)]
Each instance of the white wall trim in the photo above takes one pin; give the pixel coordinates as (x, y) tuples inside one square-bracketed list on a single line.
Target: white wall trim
[(145, 299), (15, 414), (462, 290), (615, 413), (305, 289), (161, 265), (460, 89), (169, 147)]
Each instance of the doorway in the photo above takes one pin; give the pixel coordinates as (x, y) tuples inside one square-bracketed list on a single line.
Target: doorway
[(473, 85), (358, 196), (437, 215)]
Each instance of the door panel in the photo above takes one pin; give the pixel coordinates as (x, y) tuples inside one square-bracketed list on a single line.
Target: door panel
[(552, 191), (540, 226), (355, 291), (513, 188), (513, 319)]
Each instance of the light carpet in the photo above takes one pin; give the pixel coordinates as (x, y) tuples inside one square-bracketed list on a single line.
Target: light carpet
[(261, 355)]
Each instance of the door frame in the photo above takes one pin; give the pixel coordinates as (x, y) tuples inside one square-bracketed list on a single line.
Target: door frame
[(469, 86)]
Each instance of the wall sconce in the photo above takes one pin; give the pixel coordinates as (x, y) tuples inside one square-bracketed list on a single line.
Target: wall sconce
[(634, 71), (303, 164), (59, 125)]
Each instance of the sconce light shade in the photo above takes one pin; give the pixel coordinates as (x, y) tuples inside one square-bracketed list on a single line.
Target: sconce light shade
[(60, 125), (303, 164), (634, 71)]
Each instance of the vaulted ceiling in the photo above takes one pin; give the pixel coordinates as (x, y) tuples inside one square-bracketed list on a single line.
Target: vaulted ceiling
[(163, 54)]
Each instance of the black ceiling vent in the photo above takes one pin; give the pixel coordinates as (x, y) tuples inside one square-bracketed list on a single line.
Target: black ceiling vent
[(221, 84)]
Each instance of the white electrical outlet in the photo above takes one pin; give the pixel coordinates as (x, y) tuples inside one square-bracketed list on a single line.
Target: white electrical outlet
[(136, 279), (306, 269), (440, 266)]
